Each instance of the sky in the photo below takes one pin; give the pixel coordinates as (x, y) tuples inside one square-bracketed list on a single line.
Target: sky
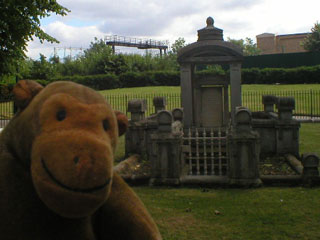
[(170, 19)]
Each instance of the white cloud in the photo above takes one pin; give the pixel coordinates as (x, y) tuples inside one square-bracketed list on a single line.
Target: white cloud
[(168, 20), (68, 36)]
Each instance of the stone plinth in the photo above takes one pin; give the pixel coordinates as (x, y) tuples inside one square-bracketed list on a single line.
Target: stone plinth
[(165, 152), (269, 102), (287, 128), (135, 136), (268, 135), (244, 151)]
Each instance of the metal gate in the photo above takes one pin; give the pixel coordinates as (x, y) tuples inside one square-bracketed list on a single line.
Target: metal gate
[(205, 151)]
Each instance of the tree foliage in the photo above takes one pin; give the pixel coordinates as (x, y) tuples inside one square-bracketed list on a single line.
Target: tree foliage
[(312, 42), (178, 44), (248, 47), (19, 23)]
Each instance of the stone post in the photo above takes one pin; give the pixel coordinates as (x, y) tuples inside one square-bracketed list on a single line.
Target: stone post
[(134, 138), (235, 85), (159, 103), (310, 162), (269, 101), (285, 106), (287, 127), (137, 108), (186, 72), (244, 151), (165, 159), (177, 114)]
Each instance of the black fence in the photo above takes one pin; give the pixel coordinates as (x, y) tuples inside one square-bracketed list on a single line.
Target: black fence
[(307, 102), (120, 101)]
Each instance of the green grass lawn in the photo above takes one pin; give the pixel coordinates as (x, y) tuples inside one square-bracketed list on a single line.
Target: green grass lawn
[(264, 213), (310, 138), (280, 213), (307, 102), (245, 87)]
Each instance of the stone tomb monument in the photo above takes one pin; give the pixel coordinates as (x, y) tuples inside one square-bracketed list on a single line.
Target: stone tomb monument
[(211, 140), (205, 99)]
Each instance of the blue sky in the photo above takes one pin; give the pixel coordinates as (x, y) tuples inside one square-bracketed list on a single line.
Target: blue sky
[(171, 19)]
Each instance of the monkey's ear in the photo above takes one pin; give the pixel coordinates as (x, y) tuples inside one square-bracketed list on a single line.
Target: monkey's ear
[(122, 122), (24, 91)]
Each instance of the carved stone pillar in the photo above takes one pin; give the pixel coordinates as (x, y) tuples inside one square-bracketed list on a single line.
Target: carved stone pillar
[(244, 151), (165, 159)]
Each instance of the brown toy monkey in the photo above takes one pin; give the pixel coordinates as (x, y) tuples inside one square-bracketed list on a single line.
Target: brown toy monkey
[(56, 169)]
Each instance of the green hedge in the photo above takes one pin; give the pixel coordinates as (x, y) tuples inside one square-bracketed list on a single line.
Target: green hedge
[(125, 80), (98, 82), (158, 78), (298, 75)]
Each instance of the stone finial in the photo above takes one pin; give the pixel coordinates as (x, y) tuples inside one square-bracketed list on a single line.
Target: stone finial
[(210, 32), (177, 114), (285, 106), (269, 101), (310, 162), (137, 107), (164, 119), (159, 103), (243, 118), (243, 115), (286, 103), (210, 22)]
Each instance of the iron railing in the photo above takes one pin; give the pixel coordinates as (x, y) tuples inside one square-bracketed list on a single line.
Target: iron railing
[(307, 102)]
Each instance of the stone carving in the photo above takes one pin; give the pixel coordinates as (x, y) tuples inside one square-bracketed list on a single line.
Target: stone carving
[(209, 140)]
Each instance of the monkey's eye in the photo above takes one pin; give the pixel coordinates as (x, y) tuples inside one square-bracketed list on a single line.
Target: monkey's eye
[(61, 115), (106, 124)]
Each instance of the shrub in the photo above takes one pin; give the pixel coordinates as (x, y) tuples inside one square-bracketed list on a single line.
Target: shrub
[(298, 75), (98, 82), (167, 78)]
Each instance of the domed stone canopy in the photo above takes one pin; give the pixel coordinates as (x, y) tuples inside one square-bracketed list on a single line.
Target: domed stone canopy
[(210, 48), (210, 52)]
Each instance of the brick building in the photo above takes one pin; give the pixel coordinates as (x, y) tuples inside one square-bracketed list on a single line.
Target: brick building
[(270, 43)]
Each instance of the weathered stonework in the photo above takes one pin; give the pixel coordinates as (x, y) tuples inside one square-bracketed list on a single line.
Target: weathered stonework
[(244, 151), (165, 152), (310, 162), (205, 142)]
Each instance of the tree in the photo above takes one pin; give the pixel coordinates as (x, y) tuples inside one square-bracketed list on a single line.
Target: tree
[(179, 43), (19, 23), (312, 41), (41, 69), (248, 47)]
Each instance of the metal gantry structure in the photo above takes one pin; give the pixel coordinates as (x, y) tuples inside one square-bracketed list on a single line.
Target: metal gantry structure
[(139, 43)]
